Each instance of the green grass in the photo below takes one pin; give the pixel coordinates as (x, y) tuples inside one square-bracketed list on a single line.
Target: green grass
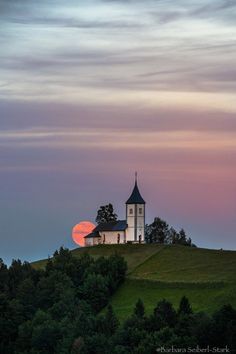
[(185, 264), (133, 254), (203, 296), (206, 277)]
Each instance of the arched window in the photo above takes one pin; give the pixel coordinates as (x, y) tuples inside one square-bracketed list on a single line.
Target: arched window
[(140, 210), (104, 238), (131, 211), (118, 238)]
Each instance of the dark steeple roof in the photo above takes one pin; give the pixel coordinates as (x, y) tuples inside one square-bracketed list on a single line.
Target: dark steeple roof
[(135, 197)]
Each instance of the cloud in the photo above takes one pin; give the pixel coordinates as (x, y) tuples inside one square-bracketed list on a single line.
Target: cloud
[(71, 46), (123, 140), (216, 7), (59, 116)]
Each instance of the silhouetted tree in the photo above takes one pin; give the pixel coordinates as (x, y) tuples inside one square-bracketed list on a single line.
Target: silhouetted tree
[(184, 306), (173, 236), (107, 323), (164, 314), (139, 310), (106, 214), (3, 276), (158, 231), (223, 326)]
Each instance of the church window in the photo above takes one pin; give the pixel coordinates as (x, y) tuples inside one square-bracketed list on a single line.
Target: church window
[(104, 238), (131, 211), (140, 210)]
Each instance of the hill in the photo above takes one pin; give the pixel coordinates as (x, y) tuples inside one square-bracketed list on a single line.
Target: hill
[(206, 277)]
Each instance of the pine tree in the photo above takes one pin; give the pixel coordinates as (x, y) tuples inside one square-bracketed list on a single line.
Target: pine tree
[(184, 306), (139, 310)]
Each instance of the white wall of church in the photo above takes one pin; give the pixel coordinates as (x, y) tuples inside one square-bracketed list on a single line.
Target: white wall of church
[(92, 241), (110, 237)]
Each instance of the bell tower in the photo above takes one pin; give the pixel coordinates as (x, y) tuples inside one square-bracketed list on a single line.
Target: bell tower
[(135, 215)]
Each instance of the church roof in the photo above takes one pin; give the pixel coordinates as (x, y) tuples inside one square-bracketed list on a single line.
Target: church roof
[(119, 225), (135, 197), (92, 235)]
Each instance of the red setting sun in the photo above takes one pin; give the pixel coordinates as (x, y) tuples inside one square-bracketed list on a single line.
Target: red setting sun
[(80, 230)]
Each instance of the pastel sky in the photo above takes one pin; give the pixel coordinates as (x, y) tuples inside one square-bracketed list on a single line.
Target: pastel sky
[(90, 92)]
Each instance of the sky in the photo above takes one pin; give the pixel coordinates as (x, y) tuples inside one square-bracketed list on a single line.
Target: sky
[(92, 91)]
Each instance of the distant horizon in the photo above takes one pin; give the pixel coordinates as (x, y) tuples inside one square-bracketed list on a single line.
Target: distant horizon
[(91, 92)]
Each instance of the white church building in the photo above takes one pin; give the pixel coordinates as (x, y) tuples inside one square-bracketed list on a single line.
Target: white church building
[(122, 231)]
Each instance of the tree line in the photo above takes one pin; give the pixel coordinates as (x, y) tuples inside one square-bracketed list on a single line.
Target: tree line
[(57, 310), (160, 232)]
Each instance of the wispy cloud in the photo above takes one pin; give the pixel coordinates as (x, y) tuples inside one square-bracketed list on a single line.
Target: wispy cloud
[(117, 140), (114, 45)]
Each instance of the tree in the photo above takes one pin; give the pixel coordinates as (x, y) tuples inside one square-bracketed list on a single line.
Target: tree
[(45, 333), (139, 309), (106, 214), (111, 320), (97, 344), (148, 233), (184, 306), (173, 236), (224, 326), (165, 314), (95, 291), (3, 275), (108, 323), (182, 237), (26, 296), (52, 288), (158, 231)]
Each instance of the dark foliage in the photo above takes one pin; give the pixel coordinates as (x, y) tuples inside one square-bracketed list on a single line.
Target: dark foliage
[(52, 310), (160, 232), (105, 214), (184, 306), (139, 309), (58, 311)]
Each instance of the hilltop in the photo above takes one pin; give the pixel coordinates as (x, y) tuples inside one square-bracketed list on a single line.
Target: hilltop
[(206, 277)]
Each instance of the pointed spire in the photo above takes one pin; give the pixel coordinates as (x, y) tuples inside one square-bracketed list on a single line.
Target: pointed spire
[(135, 197)]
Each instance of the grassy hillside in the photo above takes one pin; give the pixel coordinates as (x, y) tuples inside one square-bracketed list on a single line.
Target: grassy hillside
[(203, 296), (206, 277), (133, 254), (185, 264)]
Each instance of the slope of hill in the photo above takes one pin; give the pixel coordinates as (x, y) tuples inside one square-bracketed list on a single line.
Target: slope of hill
[(206, 277)]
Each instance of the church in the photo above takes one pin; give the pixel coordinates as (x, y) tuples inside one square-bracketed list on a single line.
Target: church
[(122, 231)]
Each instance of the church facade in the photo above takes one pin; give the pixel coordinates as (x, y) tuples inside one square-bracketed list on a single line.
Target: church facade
[(122, 231)]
